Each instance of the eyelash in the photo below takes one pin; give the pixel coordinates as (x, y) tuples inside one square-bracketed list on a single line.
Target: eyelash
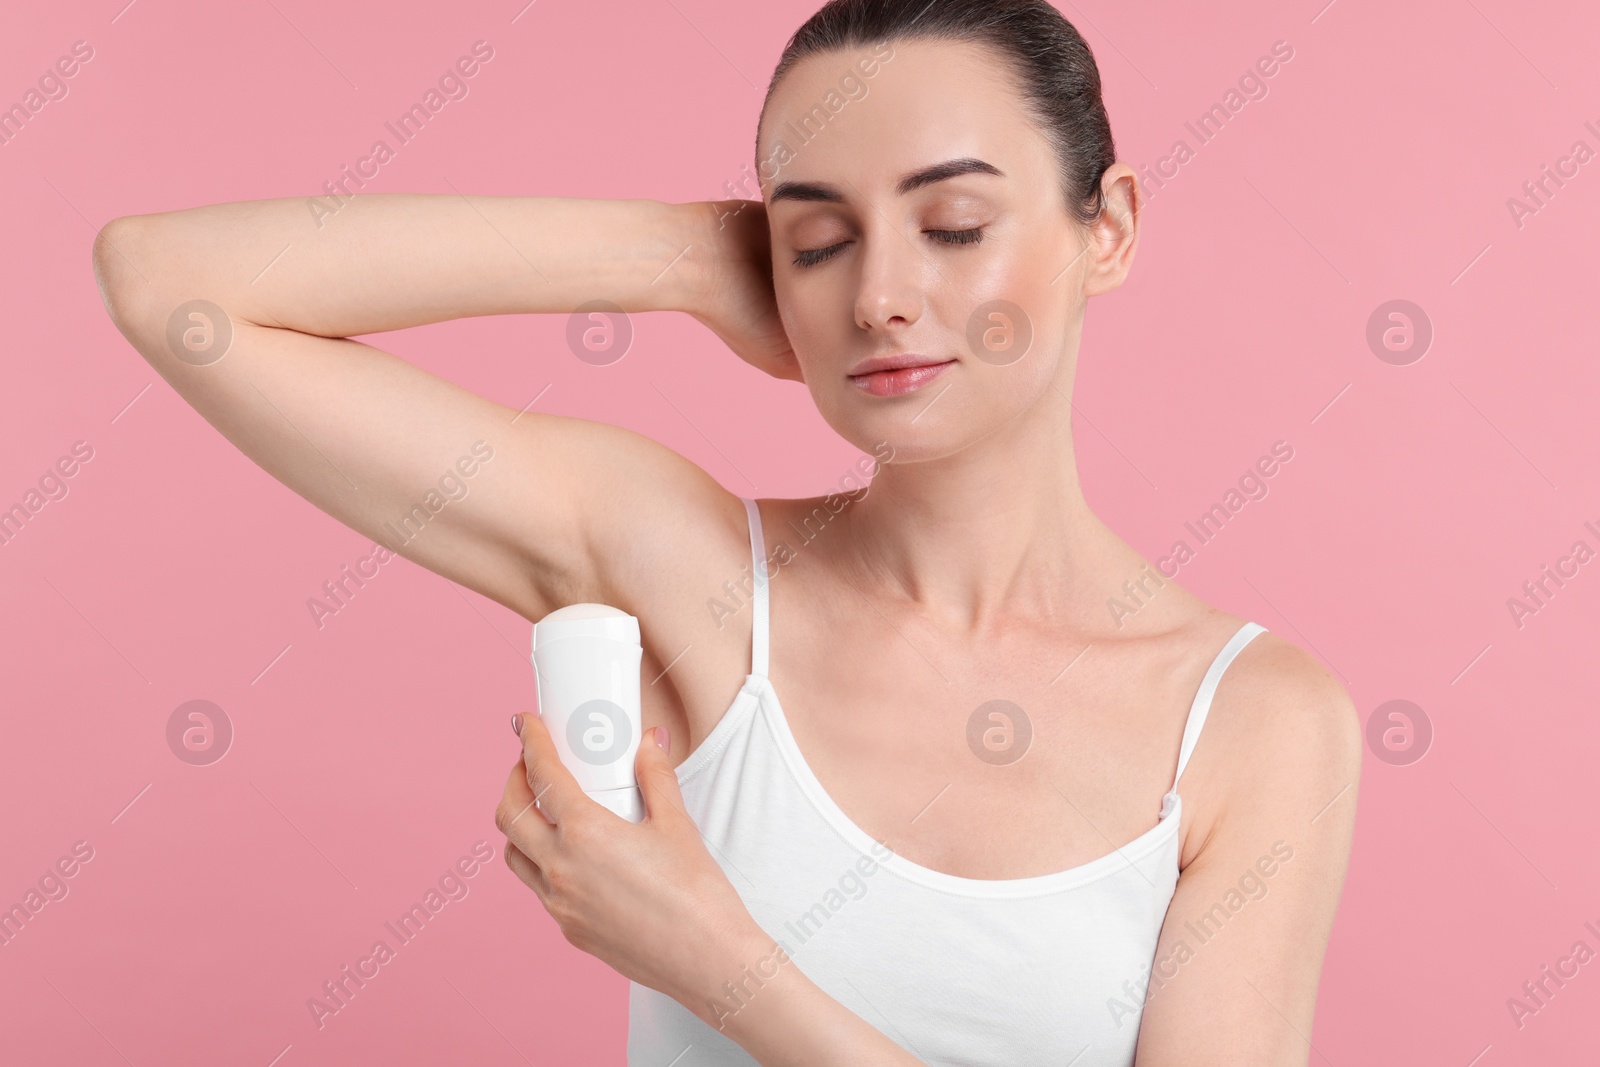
[(811, 257)]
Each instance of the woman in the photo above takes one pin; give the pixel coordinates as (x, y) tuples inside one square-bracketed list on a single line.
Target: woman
[(959, 838)]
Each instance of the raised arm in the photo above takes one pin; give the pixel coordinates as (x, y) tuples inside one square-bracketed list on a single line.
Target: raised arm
[(525, 507)]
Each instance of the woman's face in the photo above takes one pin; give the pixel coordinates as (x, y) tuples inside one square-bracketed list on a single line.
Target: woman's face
[(916, 209)]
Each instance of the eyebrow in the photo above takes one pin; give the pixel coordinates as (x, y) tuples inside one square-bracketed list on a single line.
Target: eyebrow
[(950, 168)]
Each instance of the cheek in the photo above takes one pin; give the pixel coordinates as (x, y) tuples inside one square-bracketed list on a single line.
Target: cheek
[(790, 310), (1013, 303), (1035, 274), (1005, 324), (815, 320), (1002, 392), (1017, 288)]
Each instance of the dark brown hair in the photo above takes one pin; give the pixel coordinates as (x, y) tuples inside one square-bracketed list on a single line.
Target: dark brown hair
[(1055, 69)]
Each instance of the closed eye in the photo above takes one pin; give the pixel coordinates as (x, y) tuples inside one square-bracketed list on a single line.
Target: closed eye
[(957, 237), (812, 256)]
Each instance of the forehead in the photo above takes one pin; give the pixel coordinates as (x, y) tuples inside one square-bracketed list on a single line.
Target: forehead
[(862, 116)]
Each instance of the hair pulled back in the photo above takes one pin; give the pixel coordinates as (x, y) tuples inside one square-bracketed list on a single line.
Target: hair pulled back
[(1053, 65)]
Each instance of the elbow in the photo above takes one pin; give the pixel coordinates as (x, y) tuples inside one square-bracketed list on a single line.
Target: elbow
[(124, 272), (116, 272)]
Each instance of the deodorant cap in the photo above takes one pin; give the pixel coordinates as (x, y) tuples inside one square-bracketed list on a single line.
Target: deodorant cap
[(587, 620)]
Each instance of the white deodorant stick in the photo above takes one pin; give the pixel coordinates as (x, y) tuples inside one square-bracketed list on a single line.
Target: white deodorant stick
[(586, 663)]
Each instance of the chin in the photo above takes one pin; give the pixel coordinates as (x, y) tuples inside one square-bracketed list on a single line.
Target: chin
[(967, 404), (910, 429)]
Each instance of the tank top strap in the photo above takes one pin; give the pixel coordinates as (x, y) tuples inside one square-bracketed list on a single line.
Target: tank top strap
[(1208, 688), (758, 559)]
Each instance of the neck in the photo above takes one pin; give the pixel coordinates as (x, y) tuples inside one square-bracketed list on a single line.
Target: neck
[(997, 530)]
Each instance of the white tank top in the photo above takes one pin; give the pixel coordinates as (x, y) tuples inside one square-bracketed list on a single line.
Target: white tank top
[(1046, 969)]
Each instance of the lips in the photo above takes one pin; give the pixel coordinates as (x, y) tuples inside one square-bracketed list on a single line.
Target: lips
[(897, 375), (896, 361)]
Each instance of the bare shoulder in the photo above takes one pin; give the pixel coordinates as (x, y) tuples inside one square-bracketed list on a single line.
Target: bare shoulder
[(1283, 737), (1285, 696)]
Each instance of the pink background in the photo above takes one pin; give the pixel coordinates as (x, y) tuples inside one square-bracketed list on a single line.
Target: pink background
[(369, 757)]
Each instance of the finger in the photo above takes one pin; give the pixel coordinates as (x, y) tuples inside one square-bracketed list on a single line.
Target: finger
[(553, 786), (520, 819), (658, 781), (518, 800), (526, 871)]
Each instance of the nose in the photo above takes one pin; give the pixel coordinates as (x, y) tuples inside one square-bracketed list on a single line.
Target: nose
[(889, 292)]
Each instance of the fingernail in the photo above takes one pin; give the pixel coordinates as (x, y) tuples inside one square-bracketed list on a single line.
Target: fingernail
[(516, 724), (663, 739)]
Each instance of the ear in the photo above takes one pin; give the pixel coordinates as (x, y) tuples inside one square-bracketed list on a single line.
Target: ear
[(1114, 236)]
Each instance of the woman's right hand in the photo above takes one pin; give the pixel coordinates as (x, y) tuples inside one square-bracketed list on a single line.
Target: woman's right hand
[(739, 303)]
